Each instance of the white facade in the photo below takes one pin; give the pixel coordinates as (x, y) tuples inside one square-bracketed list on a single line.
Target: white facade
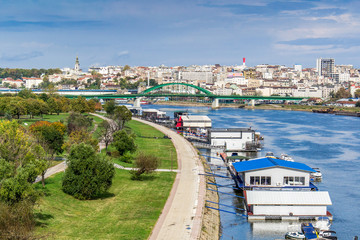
[(194, 121), (32, 82), (277, 177), (307, 92), (232, 139), (298, 67), (288, 203)]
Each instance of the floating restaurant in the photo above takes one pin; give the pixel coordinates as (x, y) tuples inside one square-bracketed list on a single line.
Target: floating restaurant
[(279, 189)]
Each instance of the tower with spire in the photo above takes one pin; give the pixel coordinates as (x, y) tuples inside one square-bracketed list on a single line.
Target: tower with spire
[(77, 65)]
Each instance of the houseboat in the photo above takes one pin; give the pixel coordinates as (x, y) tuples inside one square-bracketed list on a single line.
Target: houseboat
[(235, 140), (278, 189)]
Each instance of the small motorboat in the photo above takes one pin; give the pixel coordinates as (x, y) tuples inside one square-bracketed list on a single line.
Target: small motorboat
[(328, 235), (294, 235), (316, 175), (286, 157), (270, 155), (322, 224)]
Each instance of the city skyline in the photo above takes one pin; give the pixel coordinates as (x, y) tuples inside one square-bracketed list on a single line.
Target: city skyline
[(45, 34)]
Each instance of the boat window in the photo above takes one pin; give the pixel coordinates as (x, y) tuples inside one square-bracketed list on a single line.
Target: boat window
[(294, 181), (260, 180)]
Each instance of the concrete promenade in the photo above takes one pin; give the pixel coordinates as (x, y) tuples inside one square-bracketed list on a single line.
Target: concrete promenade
[(182, 214)]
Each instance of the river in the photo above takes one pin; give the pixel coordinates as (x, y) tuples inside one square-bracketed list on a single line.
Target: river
[(329, 142)]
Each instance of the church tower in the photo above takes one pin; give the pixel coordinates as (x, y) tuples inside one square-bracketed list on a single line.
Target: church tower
[(77, 65)]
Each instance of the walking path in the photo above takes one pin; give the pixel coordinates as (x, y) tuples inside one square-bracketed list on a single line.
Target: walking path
[(182, 213)]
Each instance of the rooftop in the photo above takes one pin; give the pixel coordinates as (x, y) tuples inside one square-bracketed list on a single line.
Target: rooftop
[(262, 163)]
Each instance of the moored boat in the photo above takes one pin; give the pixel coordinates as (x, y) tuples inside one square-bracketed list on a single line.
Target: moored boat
[(294, 235), (286, 157)]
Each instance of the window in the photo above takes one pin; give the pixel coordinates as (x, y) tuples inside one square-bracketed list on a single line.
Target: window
[(260, 180), (294, 181)]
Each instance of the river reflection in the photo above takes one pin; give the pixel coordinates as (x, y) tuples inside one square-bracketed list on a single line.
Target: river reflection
[(329, 142)]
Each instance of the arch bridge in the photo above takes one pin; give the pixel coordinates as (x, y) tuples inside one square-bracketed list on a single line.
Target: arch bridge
[(152, 92)]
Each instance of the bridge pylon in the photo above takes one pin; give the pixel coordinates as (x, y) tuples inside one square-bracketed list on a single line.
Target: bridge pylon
[(215, 103), (137, 102)]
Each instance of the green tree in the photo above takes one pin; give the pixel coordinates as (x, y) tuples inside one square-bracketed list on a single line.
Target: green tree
[(342, 93), (16, 107), (77, 121), (124, 142), (80, 136), (357, 104), (88, 174), (21, 161), (26, 93), (110, 106), (121, 115), (80, 105), (357, 93), (54, 105)]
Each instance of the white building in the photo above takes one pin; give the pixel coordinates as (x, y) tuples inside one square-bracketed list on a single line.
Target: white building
[(195, 121), (276, 187), (13, 83), (287, 204), (312, 92), (32, 82), (233, 139), (298, 67)]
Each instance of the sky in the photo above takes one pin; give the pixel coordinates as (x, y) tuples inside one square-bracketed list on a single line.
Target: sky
[(50, 34)]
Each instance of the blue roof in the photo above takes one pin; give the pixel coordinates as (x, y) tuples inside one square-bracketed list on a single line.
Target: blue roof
[(266, 162)]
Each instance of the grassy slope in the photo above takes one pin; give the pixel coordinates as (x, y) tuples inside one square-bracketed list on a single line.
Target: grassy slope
[(129, 211), (151, 141)]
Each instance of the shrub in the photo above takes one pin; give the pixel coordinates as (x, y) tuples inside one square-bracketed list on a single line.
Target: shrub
[(144, 164), (17, 221), (88, 175)]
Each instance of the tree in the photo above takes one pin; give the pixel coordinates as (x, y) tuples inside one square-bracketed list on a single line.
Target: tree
[(144, 164), (26, 93), (121, 115), (105, 133), (51, 134), (88, 174), (54, 105), (357, 104), (110, 106), (77, 121), (357, 93), (342, 93), (124, 142), (51, 138), (80, 136), (21, 161), (80, 105)]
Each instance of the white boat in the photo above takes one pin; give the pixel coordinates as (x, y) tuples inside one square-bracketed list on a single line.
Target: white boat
[(294, 235), (286, 157), (316, 175), (328, 235), (322, 224)]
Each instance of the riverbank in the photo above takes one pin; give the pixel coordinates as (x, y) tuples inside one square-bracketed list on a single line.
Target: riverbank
[(210, 229), (285, 107)]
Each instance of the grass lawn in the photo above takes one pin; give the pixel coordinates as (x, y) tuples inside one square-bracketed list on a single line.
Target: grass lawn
[(151, 141), (128, 211)]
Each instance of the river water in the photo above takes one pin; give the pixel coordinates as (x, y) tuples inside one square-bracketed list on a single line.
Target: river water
[(325, 141)]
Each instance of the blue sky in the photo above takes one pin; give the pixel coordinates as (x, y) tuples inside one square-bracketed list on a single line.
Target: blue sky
[(47, 33)]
